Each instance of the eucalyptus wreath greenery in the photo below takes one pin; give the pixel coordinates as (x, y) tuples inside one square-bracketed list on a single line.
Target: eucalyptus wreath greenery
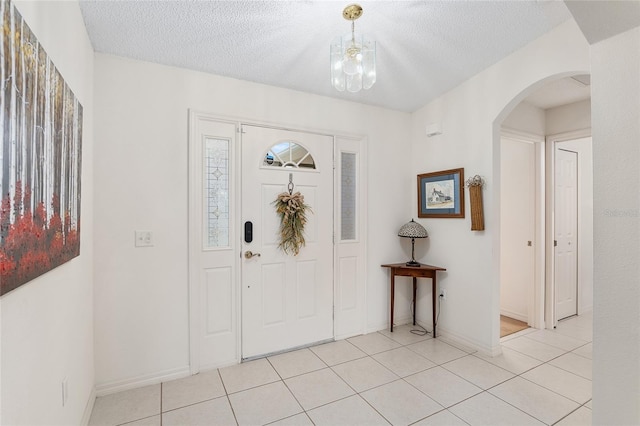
[(293, 217)]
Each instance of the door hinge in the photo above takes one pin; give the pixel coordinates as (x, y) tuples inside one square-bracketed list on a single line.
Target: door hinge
[(555, 243)]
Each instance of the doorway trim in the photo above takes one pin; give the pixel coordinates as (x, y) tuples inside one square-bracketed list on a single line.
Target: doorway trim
[(349, 318), (536, 303), (550, 302)]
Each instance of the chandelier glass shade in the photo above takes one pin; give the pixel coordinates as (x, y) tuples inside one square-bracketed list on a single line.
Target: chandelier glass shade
[(353, 57)]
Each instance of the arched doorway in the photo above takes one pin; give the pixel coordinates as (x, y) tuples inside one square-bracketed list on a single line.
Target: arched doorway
[(526, 137)]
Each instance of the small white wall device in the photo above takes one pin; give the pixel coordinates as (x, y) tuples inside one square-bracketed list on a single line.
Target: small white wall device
[(433, 129)]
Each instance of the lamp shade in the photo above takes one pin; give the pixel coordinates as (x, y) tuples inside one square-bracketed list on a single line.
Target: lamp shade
[(412, 230)]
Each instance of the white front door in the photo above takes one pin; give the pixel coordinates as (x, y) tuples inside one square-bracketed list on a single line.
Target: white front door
[(287, 300), (517, 228), (566, 233)]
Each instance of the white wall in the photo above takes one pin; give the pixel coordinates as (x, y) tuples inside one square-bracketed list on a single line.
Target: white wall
[(141, 183), (47, 324), (471, 115), (527, 118), (568, 118), (616, 154)]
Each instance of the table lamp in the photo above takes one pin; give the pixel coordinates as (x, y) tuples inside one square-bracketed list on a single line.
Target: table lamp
[(412, 230)]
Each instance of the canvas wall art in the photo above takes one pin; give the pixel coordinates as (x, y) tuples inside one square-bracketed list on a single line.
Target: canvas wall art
[(40, 160)]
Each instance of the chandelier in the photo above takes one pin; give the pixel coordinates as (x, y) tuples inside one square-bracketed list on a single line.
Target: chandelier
[(353, 57)]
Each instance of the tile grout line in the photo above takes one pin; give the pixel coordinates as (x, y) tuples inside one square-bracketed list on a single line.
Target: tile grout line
[(434, 366), (226, 394), (405, 345), (444, 408), (289, 389), (359, 394), (397, 377), (524, 378), (568, 414), (516, 375)]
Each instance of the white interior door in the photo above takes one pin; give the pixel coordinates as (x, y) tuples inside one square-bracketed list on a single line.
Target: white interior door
[(566, 233), (287, 300), (517, 222)]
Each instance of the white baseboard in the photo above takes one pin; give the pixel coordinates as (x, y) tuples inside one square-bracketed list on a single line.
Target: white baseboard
[(447, 336), (518, 334), (466, 343), (514, 315), (585, 310), (397, 321), (227, 363), (89, 408), (372, 328), (347, 335), (140, 381)]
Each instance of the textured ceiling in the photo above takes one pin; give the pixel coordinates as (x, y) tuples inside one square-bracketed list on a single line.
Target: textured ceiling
[(561, 92), (424, 48)]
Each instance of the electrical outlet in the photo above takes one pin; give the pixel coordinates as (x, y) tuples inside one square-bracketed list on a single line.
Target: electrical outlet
[(443, 294), (144, 239)]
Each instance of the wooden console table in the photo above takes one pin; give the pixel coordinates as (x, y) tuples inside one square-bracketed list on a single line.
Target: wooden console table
[(422, 271)]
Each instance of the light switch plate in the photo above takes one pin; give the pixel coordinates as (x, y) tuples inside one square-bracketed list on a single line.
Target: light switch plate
[(144, 239)]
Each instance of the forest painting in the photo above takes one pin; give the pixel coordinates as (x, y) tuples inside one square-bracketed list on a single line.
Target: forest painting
[(40, 161)]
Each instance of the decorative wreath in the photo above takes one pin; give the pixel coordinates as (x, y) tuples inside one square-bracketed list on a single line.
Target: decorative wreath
[(474, 181), (293, 217)]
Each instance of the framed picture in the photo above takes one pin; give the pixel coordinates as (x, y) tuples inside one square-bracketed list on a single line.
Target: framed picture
[(441, 194)]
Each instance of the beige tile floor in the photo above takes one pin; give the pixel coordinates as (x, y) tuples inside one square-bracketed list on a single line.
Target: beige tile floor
[(399, 378)]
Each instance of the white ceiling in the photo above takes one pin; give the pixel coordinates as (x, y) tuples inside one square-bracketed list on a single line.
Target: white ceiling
[(562, 92), (601, 19), (424, 48)]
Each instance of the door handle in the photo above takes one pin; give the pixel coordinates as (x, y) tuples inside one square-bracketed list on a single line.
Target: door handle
[(249, 254)]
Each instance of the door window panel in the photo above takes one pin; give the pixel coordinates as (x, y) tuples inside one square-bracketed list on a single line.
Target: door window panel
[(216, 186), (289, 154), (348, 196)]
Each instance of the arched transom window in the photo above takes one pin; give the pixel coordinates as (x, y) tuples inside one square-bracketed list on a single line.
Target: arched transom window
[(289, 154)]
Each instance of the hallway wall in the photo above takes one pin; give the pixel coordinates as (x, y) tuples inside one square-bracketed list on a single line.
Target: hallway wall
[(471, 115), (141, 183), (616, 154), (47, 324)]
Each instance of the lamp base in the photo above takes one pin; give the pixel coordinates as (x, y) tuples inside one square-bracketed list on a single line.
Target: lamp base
[(413, 263)]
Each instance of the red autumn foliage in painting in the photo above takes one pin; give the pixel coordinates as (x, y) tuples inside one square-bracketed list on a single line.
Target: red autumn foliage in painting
[(40, 158), (31, 244)]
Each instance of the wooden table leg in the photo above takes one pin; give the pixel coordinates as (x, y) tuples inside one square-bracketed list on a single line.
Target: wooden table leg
[(433, 302), (393, 286), (414, 300)]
